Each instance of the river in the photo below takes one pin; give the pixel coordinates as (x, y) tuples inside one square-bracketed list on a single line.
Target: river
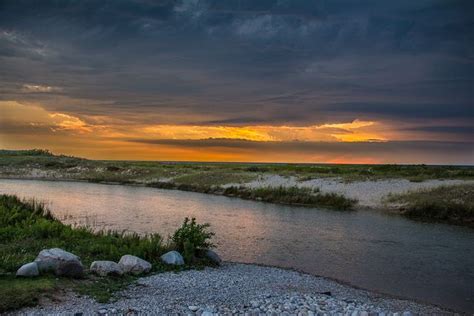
[(432, 263)]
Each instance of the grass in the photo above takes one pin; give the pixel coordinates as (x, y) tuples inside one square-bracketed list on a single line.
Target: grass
[(27, 227), (280, 195), (12, 162), (447, 204), (16, 293), (294, 196), (217, 177), (211, 177), (102, 289)]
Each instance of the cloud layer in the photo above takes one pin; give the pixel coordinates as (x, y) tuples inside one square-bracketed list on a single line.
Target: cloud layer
[(406, 66)]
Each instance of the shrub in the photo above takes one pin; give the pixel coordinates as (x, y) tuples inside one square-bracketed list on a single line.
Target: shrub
[(191, 238), (113, 168), (256, 169)]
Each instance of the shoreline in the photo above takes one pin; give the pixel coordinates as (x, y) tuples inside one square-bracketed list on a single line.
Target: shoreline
[(341, 282), (376, 203), (237, 288), (349, 285)]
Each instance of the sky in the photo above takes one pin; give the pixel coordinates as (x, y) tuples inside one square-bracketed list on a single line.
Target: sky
[(340, 81)]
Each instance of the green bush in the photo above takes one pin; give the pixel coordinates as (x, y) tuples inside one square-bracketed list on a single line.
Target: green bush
[(191, 238)]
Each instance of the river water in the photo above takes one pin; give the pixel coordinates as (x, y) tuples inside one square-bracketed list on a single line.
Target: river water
[(432, 263)]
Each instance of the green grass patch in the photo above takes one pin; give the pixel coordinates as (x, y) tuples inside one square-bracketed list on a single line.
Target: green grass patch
[(281, 195), (16, 293), (217, 177), (448, 204), (294, 196), (20, 162), (27, 227), (102, 289)]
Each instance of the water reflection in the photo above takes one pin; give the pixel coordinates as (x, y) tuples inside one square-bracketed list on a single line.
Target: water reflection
[(429, 262)]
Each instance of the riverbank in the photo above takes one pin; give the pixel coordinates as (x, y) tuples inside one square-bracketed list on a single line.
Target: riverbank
[(357, 247), (369, 194), (27, 274), (236, 289), (342, 187)]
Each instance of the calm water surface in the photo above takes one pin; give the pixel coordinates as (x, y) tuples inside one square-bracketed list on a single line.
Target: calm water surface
[(430, 262)]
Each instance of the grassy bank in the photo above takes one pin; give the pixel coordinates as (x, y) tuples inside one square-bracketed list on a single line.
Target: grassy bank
[(44, 164), (280, 195), (447, 204), (27, 227), (293, 196), (217, 178)]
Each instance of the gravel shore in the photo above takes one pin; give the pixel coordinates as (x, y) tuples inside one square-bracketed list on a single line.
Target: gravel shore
[(237, 289)]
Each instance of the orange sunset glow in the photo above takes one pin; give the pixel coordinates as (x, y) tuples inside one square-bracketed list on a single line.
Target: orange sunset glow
[(260, 86), (108, 138)]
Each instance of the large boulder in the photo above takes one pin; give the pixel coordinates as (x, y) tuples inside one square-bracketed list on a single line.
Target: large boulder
[(172, 257), (134, 265), (28, 270), (213, 256), (104, 268), (48, 260), (71, 269)]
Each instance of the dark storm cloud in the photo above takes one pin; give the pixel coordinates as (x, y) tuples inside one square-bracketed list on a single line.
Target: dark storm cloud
[(405, 110), (15, 129), (393, 146), (243, 61), (461, 130)]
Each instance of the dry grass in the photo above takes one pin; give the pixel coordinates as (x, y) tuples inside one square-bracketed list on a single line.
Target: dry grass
[(450, 204)]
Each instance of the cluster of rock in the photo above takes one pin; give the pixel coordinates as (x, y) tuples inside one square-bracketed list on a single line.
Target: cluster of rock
[(63, 263), (58, 261)]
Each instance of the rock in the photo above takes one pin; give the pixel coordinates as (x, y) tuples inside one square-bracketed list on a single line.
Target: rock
[(48, 259), (28, 270), (71, 269), (193, 308), (213, 256), (172, 257), (104, 268), (134, 265)]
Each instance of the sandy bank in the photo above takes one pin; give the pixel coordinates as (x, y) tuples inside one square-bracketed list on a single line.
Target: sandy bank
[(369, 193)]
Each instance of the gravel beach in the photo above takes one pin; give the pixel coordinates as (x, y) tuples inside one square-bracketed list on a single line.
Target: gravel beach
[(237, 289)]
